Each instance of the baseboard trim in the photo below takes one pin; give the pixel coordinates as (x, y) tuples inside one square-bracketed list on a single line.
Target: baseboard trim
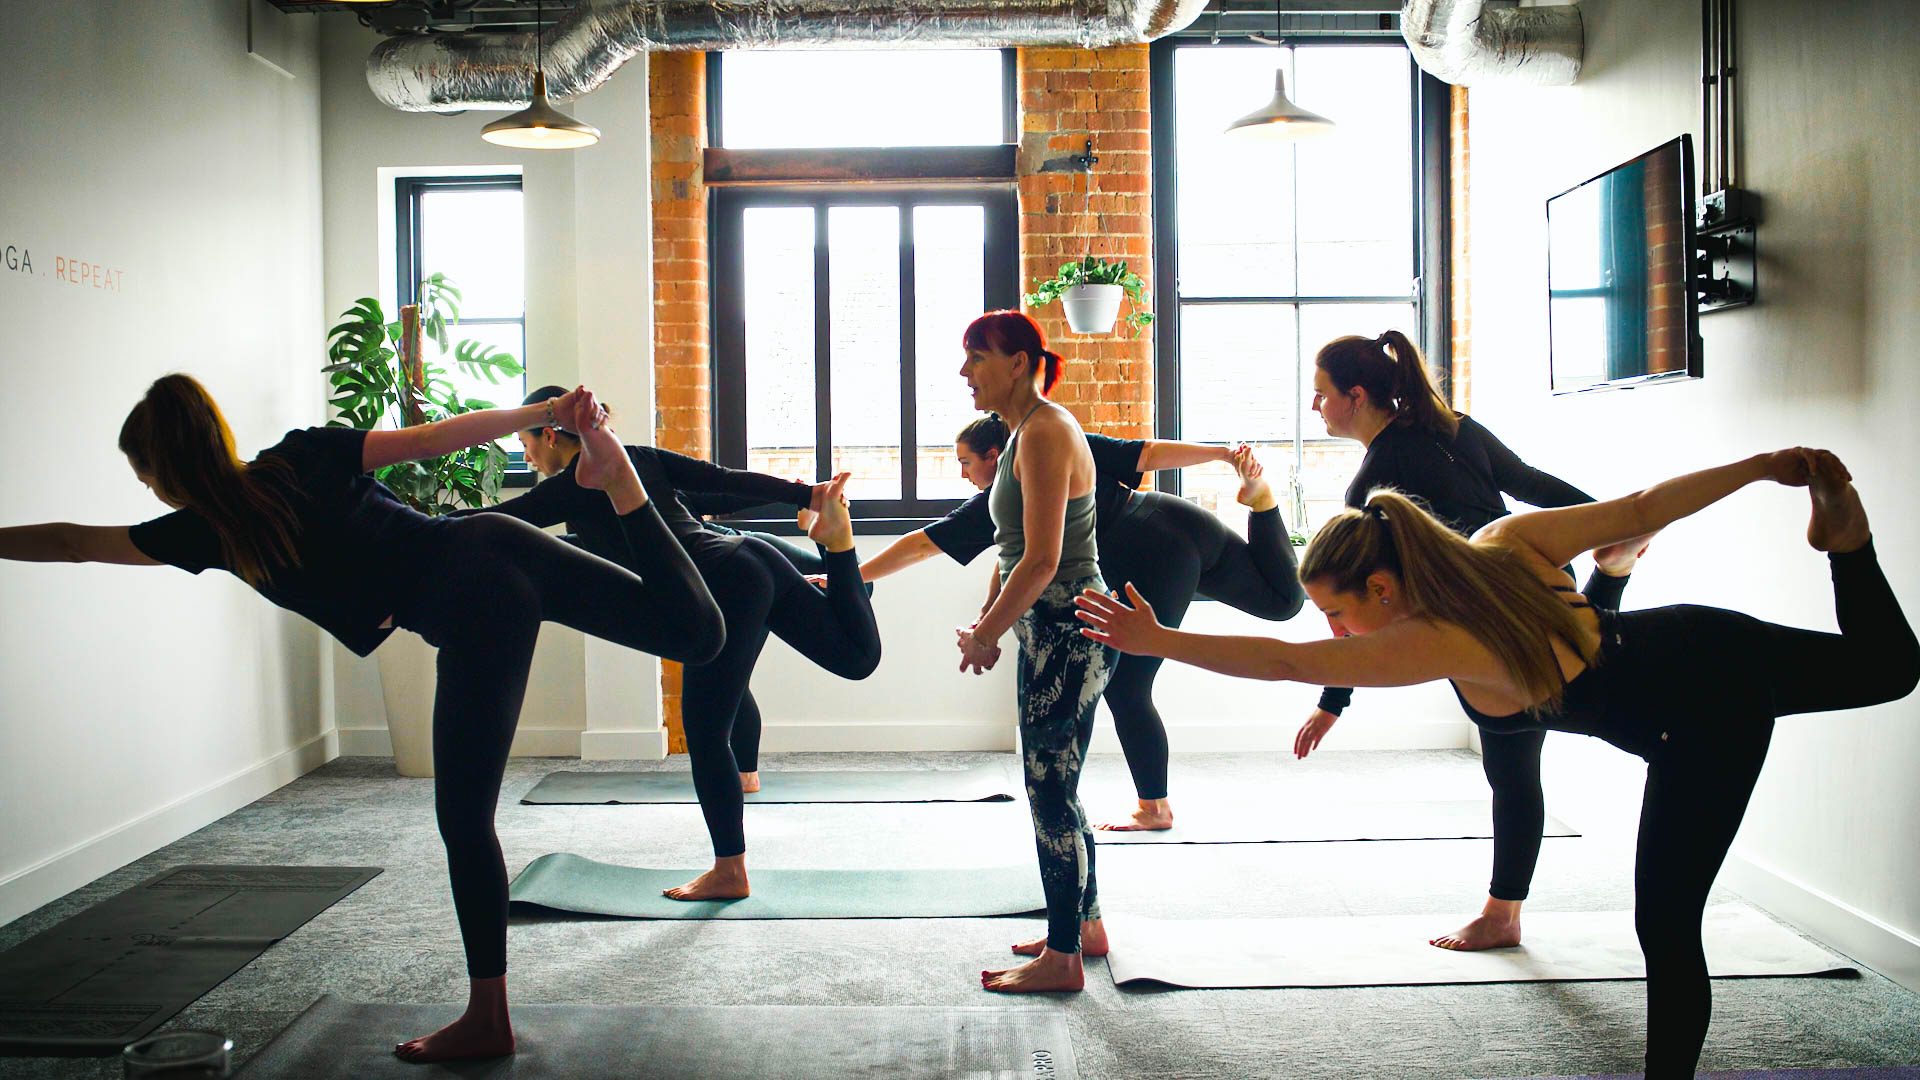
[(635, 744), (527, 742), (1833, 922), (60, 874)]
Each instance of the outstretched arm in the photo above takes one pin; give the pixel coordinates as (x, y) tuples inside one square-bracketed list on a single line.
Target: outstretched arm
[(61, 541), (442, 437), (1168, 454), (910, 550), (1524, 482)]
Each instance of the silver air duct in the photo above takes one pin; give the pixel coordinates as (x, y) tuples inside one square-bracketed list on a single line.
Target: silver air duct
[(1482, 42), (452, 72)]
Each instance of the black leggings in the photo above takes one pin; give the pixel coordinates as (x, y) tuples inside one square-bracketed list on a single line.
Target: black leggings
[(1710, 683), (1170, 550), (493, 581), (758, 591)]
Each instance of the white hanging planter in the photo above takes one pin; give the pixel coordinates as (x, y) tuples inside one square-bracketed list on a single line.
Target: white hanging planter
[(407, 680), (1092, 309)]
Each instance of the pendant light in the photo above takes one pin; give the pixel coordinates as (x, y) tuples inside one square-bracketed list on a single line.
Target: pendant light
[(540, 126), (1280, 119)]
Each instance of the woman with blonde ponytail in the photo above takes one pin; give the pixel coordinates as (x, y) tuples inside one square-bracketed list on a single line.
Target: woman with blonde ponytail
[(1377, 390), (309, 528), (1693, 690)]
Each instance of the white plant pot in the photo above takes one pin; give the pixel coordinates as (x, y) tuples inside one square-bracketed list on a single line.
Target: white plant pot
[(1091, 309), (407, 680)]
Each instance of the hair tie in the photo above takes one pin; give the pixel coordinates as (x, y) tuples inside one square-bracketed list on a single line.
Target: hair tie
[(1374, 511)]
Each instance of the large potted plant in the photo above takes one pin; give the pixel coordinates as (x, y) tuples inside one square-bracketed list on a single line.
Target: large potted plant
[(382, 378), (1090, 291)]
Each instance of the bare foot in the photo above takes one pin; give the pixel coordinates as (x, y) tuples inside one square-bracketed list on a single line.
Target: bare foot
[(1153, 815), (483, 1031), (1254, 491), (834, 528), (1093, 941), (726, 881), (1049, 971), (1485, 932), (1839, 522), (750, 782), (603, 464)]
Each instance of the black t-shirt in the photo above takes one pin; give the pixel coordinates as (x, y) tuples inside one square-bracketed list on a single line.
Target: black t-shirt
[(968, 530), (589, 515), (361, 550)]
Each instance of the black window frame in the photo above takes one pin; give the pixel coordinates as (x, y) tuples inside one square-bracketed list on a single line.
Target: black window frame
[(407, 194), (1430, 138)]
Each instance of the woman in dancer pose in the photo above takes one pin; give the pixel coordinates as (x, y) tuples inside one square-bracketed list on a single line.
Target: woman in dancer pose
[(758, 590), (1377, 391), (1693, 690), (306, 526), (1166, 546)]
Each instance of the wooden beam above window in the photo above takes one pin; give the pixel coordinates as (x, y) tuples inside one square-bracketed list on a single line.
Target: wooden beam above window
[(861, 165)]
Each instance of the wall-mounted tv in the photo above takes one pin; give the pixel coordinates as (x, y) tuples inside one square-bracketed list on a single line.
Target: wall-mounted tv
[(1621, 309)]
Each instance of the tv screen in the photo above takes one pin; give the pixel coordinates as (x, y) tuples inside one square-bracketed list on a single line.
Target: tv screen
[(1621, 309)]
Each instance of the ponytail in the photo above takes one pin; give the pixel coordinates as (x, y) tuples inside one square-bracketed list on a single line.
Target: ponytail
[(1483, 588), (177, 438), (985, 435), (1395, 378), (1009, 332)]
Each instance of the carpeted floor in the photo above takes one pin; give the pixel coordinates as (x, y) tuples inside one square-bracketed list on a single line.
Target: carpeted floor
[(395, 939)]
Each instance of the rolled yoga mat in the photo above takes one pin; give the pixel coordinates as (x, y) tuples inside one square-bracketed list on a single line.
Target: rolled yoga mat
[(1198, 823), (121, 968), (983, 783), (572, 883), (338, 1040), (1393, 951)]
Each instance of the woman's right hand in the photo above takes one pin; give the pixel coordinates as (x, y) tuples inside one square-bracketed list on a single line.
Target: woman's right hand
[(1312, 732), (1792, 467)]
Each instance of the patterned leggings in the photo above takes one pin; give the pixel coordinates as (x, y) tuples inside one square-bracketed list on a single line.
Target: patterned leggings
[(1062, 674)]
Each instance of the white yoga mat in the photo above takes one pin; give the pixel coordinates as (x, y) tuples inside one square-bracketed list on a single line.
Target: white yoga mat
[(1199, 822), (1393, 951)]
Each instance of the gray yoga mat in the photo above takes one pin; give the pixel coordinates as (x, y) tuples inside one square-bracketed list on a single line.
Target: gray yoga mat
[(338, 1040), (572, 883), (121, 968), (1871, 1072), (1196, 822), (982, 783), (1392, 950)]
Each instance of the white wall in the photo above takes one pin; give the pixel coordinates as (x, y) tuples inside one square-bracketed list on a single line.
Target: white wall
[(1830, 101), (142, 703)]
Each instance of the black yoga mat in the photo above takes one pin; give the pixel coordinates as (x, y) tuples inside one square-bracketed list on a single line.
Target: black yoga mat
[(984, 783), (338, 1040), (121, 968)]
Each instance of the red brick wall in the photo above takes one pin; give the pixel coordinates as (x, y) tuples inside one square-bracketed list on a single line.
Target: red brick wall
[(1460, 251)]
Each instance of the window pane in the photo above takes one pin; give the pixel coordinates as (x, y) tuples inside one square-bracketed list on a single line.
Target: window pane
[(477, 238), (1328, 464), (949, 291), (1235, 197), (917, 97), (779, 340), (1236, 372), (1356, 184), (864, 297)]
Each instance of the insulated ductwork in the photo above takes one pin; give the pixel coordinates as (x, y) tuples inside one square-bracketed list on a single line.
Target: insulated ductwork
[(1482, 42), (451, 72)]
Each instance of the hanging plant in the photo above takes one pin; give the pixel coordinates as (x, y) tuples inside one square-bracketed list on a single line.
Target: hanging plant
[(1090, 291)]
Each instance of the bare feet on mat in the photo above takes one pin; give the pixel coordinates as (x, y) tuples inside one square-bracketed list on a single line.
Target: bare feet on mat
[(1498, 927), (1839, 522), (1093, 941), (834, 528), (1254, 490), (483, 1031), (1047, 972), (750, 782), (726, 881), (1153, 815)]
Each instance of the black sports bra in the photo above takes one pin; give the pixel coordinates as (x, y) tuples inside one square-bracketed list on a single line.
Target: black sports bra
[(1525, 720)]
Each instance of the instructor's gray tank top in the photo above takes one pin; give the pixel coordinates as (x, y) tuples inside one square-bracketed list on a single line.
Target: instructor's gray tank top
[(1079, 556)]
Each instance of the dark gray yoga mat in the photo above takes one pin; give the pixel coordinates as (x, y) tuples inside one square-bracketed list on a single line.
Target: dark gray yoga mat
[(572, 883), (121, 968), (338, 1040), (983, 783), (1872, 1072), (1195, 822)]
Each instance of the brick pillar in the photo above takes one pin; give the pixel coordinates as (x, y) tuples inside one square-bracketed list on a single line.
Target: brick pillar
[(1067, 96), (1460, 253), (677, 93)]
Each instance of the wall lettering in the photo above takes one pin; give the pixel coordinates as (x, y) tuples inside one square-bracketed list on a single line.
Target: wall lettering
[(66, 270)]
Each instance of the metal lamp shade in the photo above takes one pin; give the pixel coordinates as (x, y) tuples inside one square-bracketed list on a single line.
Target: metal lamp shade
[(540, 126), (1280, 119)]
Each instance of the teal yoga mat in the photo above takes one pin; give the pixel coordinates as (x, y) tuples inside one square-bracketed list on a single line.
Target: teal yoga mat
[(572, 883), (984, 783)]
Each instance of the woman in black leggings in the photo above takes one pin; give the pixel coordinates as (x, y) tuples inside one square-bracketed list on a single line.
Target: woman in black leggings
[(310, 530), (1376, 390), (1166, 546), (1693, 690), (758, 591)]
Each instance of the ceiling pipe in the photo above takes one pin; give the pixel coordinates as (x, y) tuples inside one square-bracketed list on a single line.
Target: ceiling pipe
[(454, 72), (1483, 42)]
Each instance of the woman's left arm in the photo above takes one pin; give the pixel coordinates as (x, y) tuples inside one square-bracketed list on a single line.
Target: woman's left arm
[(422, 441), (1168, 454), (61, 541)]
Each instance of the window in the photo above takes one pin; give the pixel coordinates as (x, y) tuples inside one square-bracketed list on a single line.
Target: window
[(838, 306), (472, 230), (1277, 248)]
